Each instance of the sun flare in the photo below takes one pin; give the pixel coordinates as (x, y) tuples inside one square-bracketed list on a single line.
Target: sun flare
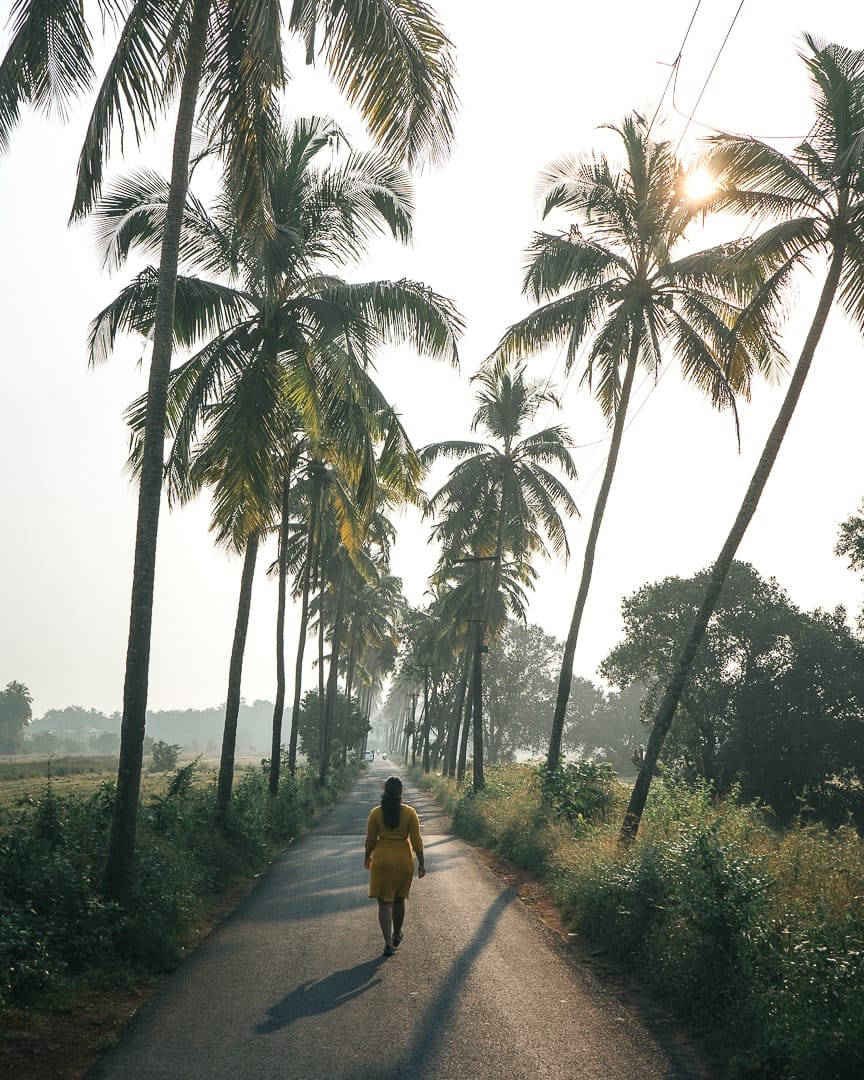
[(699, 185)]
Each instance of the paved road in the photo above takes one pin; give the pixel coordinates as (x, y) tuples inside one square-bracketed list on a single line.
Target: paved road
[(294, 985)]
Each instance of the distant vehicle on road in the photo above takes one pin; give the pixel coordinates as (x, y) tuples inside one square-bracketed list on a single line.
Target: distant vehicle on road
[(383, 755), (369, 755)]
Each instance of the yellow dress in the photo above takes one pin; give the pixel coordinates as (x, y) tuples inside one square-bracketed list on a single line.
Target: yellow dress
[(392, 852)]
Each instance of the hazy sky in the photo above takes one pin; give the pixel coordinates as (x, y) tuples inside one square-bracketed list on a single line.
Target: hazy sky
[(533, 87)]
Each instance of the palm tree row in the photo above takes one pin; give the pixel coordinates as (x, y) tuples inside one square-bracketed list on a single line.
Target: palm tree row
[(499, 508), (279, 384), (222, 61), (275, 413)]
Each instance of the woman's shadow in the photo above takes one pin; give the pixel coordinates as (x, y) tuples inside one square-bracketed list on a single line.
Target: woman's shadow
[(313, 998)]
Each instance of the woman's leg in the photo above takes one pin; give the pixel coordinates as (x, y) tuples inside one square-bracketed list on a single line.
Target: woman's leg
[(385, 921), (398, 918)]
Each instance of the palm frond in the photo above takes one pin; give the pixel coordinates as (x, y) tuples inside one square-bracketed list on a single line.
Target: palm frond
[(134, 88), (392, 59), (244, 75), (555, 263), (49, 60)]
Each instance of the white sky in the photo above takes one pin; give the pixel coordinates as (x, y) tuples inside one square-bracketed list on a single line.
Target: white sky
[(533, 86)]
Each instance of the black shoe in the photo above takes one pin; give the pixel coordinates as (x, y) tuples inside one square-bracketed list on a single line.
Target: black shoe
[(396, 939), (389, 950)]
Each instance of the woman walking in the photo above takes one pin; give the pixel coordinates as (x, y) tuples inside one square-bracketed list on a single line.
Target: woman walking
[(392, 840)]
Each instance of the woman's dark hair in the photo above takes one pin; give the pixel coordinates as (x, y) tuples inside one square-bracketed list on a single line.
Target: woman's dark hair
[(391, 801)]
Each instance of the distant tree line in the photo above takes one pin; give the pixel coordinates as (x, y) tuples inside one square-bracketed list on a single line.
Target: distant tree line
[(76, 730)]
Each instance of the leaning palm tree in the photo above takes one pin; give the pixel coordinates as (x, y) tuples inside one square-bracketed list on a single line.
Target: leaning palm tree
[(223, 61), (501, 498), (617, 285), (818, 195)]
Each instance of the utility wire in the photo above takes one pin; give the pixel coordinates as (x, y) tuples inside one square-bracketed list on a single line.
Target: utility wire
[(675, 65), (707, 77)]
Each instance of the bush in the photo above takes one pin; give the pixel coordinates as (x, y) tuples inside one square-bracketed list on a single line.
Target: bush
[(580, 791), (165, 756), (755, 934), (54, 926)]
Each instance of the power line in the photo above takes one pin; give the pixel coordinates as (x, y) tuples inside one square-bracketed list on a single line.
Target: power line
[(707, 77), (675, 65)]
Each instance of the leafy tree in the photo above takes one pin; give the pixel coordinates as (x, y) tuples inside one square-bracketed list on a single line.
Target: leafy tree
[(349, 725), (817, 193), (520, 688), (390, 58), (619, 285), (775, 698), (165, 755), (850, 542), (605, 726), (15, 715)]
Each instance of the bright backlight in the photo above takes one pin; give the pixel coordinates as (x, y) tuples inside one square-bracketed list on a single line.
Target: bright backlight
[(698, 185)]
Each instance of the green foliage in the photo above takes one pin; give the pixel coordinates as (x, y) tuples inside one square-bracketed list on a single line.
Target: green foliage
[(523, 812), (580, 791), (165, 756), (757, 936), (349, 726), (54, 926), (775, 697), (15, 715)]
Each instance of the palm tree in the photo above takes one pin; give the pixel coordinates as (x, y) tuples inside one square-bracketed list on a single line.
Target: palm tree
[(392, 60), (287, 339), (501, 498), (618, 281), (463, 604), (818, 195)]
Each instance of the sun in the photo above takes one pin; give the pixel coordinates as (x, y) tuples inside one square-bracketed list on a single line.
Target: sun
[(699, 185)]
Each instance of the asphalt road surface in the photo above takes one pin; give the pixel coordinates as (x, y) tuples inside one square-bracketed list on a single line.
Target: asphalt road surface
[(294, 983)]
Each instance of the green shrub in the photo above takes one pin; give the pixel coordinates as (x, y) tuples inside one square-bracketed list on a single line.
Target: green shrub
[(758, 935), (54, 926), (580, 791)]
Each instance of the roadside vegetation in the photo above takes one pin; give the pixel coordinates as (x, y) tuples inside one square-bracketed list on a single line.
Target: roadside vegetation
[(58, 935), (741, 903), (750, 933)]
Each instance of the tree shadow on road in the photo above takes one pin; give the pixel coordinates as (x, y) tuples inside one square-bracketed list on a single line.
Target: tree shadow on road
[(436, 1021), (324, 995)]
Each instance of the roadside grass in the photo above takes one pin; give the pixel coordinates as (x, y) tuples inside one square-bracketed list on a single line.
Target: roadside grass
[(754, 935), (58, 936)]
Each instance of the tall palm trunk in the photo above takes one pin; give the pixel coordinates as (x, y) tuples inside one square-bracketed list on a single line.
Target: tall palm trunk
[(279, 705), (477, 707), (367, 712), (466, 730), (681, 672), (117, 877), (332, 682), (426, 766), (440, 731), (459, 708), (304, 624), (235, 671), (349, 686), (566, 677)]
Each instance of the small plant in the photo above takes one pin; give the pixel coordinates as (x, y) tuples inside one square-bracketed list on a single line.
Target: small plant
[(580, 791)]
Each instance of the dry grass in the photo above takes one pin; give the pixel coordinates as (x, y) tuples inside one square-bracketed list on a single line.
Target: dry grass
[(25, 778)]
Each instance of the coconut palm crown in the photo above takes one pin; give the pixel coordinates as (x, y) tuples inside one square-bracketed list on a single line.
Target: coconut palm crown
[(615, 285), (814, 198)]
